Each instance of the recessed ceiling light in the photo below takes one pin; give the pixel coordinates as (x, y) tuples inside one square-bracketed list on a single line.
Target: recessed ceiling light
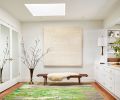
[(46, 9)]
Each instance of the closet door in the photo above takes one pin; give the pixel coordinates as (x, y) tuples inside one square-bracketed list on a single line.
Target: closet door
[(4, 55), (15, 55)]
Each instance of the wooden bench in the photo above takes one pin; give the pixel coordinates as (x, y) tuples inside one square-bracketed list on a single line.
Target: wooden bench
[(71, 76)]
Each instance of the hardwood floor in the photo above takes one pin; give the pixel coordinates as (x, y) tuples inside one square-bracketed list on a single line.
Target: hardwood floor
[(106, 95), (4, 93)]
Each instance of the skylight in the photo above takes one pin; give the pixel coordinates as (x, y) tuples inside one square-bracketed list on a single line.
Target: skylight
[(46, 9)]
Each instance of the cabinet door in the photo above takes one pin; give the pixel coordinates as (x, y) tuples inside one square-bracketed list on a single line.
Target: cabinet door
[(117, 83), (110, 80), (103, 75), (100, 74)]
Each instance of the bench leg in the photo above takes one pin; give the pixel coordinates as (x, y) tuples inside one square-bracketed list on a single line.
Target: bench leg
[(79, 80), (45, 80)]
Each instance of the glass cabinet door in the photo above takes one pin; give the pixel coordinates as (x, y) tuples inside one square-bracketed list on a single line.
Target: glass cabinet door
[(15, 54), (4, 53)]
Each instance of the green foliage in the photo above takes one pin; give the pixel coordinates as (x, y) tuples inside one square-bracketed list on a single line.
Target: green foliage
[(116, 47)]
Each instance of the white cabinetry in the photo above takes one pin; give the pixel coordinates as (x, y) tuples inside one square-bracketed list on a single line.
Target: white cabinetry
[(109, 78), (117, 83)]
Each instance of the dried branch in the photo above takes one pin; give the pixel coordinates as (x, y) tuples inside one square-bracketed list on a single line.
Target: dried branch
[(32, 57), (5, 55)]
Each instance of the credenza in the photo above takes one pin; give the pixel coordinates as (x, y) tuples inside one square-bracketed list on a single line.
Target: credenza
[(108, 77)]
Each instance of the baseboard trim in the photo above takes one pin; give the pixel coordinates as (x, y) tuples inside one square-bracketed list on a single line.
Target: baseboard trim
[(8, 84), (104, 91), (9, 90)]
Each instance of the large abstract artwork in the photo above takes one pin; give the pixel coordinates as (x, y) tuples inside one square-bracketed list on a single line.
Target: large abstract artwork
[(65, 45)]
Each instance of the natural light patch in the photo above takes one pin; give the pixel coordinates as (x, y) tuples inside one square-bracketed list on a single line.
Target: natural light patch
[(46, 9)]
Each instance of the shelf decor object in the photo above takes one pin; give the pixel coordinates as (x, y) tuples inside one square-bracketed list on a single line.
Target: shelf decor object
[(102, 42), (114, 46)]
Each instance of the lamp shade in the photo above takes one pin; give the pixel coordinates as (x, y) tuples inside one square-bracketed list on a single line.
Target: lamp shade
[(102, 41)]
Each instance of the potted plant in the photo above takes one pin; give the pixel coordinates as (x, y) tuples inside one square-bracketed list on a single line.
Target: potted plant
[(32, 57), (116, 48)]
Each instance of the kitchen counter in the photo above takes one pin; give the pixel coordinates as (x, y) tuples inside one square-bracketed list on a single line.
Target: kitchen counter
[(117, 67)]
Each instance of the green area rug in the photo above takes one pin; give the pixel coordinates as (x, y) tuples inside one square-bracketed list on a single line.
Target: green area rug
[(39, 92)]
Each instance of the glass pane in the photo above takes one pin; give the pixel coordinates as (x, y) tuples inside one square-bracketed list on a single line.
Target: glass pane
[(15, 55), (4, 53)]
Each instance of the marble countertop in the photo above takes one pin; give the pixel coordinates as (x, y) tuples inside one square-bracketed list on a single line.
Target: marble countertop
[(113, 66)]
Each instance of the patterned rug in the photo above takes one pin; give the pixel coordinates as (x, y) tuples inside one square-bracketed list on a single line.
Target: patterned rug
[(40, 92)]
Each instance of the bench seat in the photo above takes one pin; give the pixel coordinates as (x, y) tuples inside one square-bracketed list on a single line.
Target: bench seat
[(79, 76)]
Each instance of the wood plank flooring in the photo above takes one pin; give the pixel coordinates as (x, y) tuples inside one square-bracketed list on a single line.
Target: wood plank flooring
[(9, 90), (106, 95)]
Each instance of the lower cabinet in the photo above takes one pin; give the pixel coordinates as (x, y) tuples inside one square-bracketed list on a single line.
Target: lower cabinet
[(117, 83), (109, 78), (110, 73)]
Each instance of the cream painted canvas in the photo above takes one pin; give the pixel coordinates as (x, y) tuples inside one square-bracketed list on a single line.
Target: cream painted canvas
[(65, 45)]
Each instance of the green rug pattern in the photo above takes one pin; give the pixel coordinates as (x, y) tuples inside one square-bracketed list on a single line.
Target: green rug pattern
[(34, 92)]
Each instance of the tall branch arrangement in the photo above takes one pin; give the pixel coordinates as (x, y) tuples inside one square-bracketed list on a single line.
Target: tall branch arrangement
[(3, 61), (32, 57)]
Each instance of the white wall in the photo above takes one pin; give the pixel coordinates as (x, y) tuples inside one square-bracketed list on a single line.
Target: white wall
[(91, 31), (114, 17), (7, 18), (115, 27)]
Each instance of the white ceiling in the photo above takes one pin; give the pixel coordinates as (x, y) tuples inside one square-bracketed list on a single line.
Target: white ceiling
[(75, 9)]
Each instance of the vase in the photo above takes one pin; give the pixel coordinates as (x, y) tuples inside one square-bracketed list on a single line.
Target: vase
[(1, 70), (31, 75)]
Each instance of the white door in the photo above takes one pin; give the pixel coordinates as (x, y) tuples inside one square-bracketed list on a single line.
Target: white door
[(4, 47), (15, 55)]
